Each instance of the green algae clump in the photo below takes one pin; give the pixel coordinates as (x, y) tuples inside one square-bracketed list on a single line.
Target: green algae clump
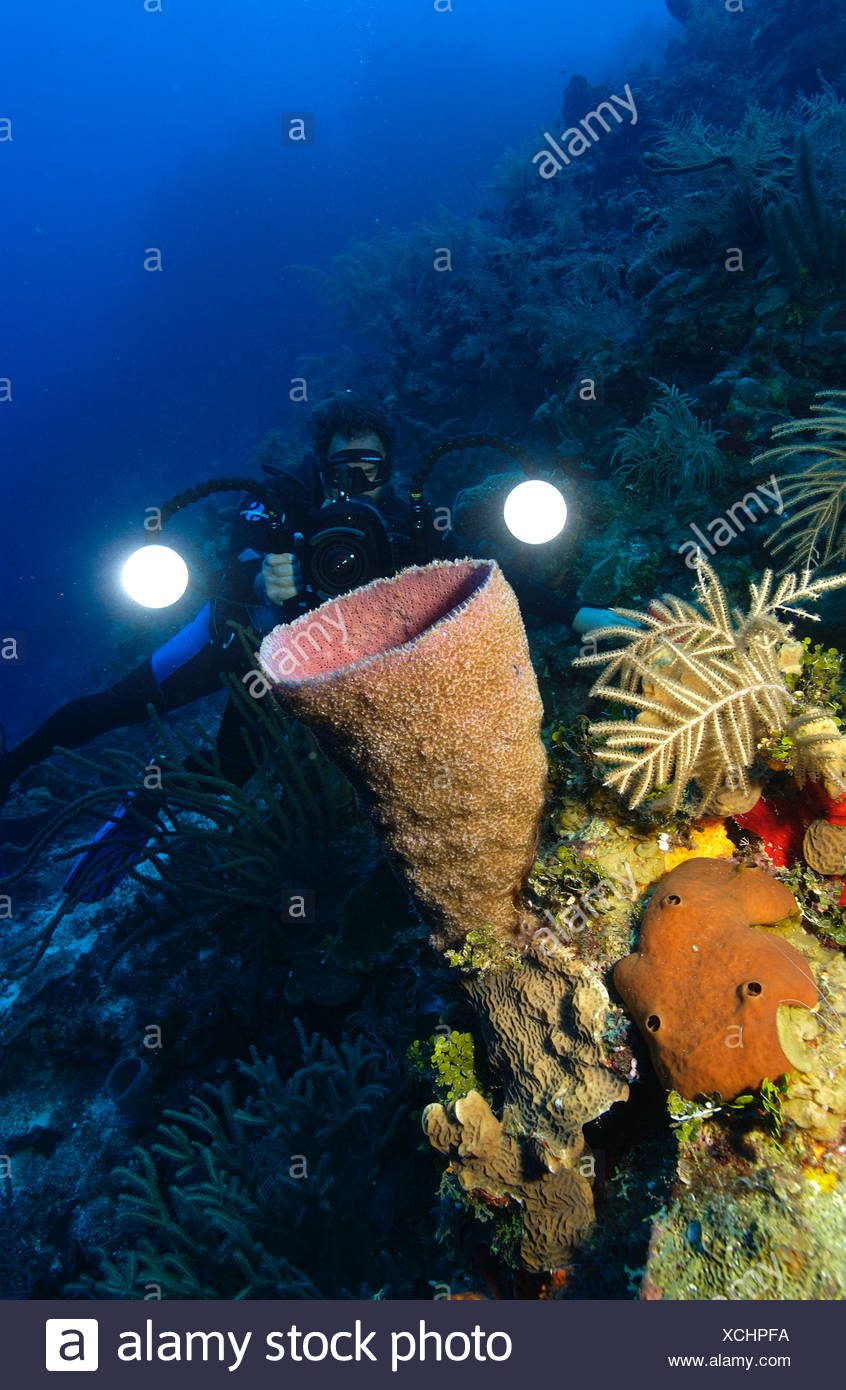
[(483, 950), (448, 1061)]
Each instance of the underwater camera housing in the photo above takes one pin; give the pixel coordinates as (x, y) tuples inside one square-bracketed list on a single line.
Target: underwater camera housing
[(351, 547)]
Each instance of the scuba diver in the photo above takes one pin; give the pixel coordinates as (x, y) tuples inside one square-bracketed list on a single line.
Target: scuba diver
[(333, 524), (272, 575)]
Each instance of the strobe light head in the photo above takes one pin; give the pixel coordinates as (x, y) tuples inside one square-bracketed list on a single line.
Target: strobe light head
[(535, 511), (155, 576)]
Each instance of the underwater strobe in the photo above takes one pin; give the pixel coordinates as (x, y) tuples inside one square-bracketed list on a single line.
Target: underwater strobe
[(535, 510), (155, 575)]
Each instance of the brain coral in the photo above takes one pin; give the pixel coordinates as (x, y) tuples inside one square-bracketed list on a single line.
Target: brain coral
[(542, 1026), (422, 689), (705, 986), (824, 847), (556, 1202)]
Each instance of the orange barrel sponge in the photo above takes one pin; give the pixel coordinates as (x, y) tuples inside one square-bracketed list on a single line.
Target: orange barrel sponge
[(705, 986), (421, 688)]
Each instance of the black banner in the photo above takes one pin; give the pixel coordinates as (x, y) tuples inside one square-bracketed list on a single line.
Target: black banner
[(194, 1344)]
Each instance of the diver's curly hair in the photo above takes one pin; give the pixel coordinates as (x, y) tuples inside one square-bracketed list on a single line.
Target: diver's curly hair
[(346, 413)]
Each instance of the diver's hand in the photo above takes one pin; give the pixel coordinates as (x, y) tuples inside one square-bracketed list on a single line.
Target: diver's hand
[(587, 619), (282, 577)]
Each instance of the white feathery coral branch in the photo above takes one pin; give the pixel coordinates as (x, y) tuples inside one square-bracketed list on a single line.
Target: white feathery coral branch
[(709, 689), (814, 527)]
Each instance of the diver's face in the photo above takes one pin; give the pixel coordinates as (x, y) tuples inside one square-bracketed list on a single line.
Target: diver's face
[(368, 440)]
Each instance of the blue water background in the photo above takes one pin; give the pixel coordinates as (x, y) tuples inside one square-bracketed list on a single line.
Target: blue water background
[(135, 130)]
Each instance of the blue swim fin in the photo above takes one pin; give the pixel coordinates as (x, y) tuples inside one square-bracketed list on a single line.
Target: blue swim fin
[(118, 845)]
